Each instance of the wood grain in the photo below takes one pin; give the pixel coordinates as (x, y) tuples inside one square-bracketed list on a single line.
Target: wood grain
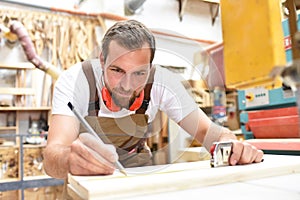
[(180, 176)]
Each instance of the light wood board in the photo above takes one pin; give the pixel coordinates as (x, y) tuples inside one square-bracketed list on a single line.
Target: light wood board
[(180, 176)]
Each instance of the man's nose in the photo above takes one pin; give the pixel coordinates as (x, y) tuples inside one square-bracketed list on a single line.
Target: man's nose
[(126, 82)]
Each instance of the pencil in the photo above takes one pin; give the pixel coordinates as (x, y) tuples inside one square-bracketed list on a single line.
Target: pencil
[(119, 166)]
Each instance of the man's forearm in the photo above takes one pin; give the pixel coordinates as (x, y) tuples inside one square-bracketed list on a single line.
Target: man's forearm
[(56, 160)]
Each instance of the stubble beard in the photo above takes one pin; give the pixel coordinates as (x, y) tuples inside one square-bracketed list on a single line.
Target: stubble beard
[(121, 101)]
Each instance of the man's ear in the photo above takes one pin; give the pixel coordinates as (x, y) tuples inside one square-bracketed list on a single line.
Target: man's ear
[(102, 60)]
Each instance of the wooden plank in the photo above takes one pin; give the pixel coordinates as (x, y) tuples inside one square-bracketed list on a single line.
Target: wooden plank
[(212, 1), (73, 194), (15, 108), (157, 179), (19, 65), (17, 91), (8, 128), (193, 154)]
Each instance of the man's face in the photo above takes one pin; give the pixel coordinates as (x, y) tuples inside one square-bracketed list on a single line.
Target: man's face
[(126, 73)]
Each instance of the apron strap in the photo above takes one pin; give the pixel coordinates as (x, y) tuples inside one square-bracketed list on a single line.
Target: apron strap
[(94, 106), (147, 91)]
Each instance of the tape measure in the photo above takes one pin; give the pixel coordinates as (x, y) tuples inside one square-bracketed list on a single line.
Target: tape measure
[(220, 154)]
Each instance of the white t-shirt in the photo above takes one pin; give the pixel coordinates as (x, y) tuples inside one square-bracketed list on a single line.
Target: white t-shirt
[(167, 94)]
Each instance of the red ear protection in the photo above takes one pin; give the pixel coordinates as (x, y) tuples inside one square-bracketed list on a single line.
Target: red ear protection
[(113, 107)]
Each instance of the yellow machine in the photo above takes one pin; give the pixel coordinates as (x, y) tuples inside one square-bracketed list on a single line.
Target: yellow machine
[(253, 41)]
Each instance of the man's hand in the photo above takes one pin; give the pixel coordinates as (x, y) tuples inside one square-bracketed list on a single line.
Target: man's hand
[(90, 156), (244, 153)]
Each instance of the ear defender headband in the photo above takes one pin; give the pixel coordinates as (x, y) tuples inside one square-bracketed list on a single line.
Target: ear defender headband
[(113, 107)]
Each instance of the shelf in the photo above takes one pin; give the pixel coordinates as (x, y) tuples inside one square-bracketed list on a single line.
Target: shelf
[(17, 91), (34, 145), (20, 65), (31, 182), (8, 180), (26, 178), (13, 108), (7, 128), (3, 146)]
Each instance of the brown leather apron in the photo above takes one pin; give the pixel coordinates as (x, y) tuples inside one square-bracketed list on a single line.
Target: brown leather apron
[(128, 134)]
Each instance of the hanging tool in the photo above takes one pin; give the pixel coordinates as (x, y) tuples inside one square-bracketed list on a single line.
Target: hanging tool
[(10, 37), (18, 29)]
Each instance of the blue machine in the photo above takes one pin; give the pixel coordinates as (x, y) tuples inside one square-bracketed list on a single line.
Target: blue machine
[(262, 99)]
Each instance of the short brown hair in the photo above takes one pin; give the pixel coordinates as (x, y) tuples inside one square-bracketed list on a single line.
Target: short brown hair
[(130, 34)]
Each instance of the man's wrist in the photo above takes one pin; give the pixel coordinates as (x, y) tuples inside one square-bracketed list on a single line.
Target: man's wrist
[(212, 135), (216, 133)]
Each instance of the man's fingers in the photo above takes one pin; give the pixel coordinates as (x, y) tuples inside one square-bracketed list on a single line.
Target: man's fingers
[(81, 161), (105, 150), (83, 167), (237, 148), (259, 157), (99, 158), (245, 153)]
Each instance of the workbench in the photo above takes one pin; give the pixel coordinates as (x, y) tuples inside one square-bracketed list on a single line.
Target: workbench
[(278, 177), (276, 188)]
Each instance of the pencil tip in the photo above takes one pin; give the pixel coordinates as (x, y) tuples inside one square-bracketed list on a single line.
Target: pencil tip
[(70, 106), (123, 172)]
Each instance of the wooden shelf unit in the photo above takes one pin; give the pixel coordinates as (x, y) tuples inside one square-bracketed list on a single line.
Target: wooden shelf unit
[(19, 106), (21, 114), (19, 91), (18, 100)]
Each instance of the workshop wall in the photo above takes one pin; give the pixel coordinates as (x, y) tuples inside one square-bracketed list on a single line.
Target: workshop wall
[(158, 15)]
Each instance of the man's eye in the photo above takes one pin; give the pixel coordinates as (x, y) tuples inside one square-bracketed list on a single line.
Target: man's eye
[(142, 73), (117, 70)]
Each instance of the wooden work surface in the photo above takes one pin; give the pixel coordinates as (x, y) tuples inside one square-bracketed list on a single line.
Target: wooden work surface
[(176, 177)]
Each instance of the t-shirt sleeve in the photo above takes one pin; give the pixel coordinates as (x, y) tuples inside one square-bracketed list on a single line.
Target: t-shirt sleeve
[(70, 87)]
